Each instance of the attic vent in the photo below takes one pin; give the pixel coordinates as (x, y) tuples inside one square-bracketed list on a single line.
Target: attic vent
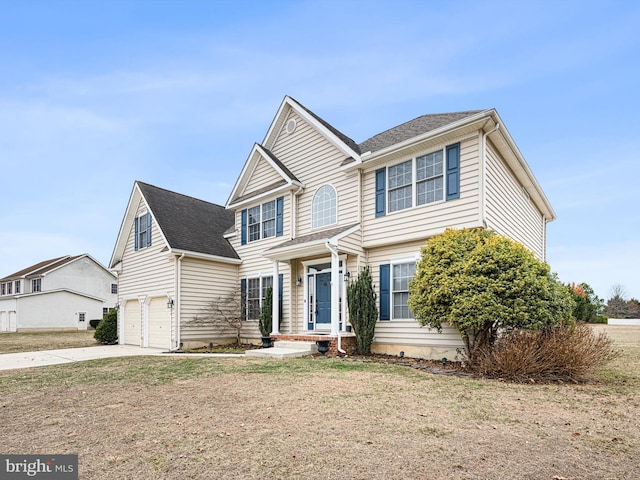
[(291, 126)]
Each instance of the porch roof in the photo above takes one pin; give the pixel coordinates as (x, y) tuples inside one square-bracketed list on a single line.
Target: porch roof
[(312, 244)]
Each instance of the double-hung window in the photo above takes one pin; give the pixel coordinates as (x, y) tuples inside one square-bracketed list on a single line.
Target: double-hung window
[(402, 274), (267, 227), (4, 288), (17, 286), (36, 285), (269, 219), (262, 221), (256, 294), (9, 285), (400, 186), (429, 178)]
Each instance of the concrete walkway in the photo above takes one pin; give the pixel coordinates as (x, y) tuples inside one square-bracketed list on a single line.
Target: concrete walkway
[(9, 361)]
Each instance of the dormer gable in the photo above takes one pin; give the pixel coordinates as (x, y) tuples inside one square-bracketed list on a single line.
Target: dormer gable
[(278, 178), (263, 174)]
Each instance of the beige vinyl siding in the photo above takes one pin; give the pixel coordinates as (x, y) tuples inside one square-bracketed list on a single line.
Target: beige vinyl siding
[(509, 211), (262, 176), (408, 333), (204, 281), (425, 220), (351, 243), (148, 271), (316, 162)]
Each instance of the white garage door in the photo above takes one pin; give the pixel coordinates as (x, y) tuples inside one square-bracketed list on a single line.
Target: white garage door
[(132, 323), (159, 323)]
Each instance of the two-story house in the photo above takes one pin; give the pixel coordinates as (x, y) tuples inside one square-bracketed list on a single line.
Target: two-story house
[(311, 207), (60, 293)]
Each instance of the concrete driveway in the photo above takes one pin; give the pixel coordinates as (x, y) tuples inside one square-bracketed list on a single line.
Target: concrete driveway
[(9, 361)]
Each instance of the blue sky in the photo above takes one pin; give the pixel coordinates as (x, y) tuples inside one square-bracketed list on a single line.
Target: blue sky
[(95, 95)]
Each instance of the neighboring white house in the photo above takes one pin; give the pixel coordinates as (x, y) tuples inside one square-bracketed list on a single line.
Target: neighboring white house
[(311, 207), (61, 293)]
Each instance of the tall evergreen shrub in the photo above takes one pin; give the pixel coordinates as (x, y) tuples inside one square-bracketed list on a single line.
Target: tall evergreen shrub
[(363, 312), (107, 330)]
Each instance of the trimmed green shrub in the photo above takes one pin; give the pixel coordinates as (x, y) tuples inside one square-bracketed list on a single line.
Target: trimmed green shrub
[(483, 283), (265, 320), (363, 312), (107, 330)]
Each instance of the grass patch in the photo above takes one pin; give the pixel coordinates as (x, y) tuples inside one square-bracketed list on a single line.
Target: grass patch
[(37, 341)]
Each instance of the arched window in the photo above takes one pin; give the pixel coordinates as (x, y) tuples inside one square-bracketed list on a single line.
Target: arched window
[(324, 207)]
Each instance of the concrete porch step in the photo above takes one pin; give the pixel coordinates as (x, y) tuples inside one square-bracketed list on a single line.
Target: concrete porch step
[(296, 345), (278, 352), (285, 349)]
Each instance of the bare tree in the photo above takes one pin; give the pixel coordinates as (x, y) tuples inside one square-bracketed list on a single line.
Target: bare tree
[(223, 315), (617, 306)]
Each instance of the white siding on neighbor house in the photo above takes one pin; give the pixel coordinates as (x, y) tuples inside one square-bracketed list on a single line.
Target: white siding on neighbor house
[(83, 275), (203, 282), (60, 309), (509, 210), (316, 162), (8, 307), (425, 220), (407, 332)]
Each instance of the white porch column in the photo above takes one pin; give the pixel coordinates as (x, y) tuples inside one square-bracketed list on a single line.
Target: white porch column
[(275, 325), (335, 292)]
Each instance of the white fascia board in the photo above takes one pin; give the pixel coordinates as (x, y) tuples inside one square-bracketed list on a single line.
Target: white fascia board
[(328, 134), (527, 177), (303, 249), (61, 290), (119, 247), (253, 199), (204, 256), (334, 240)]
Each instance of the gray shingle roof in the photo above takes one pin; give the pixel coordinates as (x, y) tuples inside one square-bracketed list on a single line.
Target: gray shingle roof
[(411, 129), (346, 140), (275, 159), (189, 223)]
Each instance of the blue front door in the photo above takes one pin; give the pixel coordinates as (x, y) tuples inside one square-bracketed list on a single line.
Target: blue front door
[(323, 300)]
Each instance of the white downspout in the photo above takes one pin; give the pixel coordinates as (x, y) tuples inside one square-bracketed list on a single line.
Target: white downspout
[(544, 238), (178, 299), (335, 271), (483, 176)]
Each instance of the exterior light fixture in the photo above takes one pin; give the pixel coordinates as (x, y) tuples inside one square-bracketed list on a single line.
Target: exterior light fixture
[(347, 276), (299, 282), (170, 303)]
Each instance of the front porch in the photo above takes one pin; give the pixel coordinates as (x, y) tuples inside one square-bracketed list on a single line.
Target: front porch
[(347, 341)]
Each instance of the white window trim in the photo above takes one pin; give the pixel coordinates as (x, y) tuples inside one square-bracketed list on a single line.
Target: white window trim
[(262, 221), (414, 182), (335, 191), (260, 276), (398, 261)]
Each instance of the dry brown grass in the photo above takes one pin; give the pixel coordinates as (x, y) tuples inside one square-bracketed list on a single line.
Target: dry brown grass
[(36, 341), (175, 418)]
